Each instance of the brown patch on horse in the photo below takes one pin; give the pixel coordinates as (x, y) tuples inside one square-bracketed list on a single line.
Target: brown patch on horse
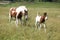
[(42, 20), (20, 15), (14, 14)]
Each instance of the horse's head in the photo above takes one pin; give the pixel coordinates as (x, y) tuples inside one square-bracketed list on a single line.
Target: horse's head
[(45, 14), (26, 14)]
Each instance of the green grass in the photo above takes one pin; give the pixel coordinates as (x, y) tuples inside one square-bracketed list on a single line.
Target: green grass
[(9, 31)]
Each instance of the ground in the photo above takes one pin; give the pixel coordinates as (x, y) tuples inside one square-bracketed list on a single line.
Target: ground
[(9, 31)]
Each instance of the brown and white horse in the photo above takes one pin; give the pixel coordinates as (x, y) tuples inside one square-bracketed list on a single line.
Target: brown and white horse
[(41, 20), (12, 13), (21, 12)]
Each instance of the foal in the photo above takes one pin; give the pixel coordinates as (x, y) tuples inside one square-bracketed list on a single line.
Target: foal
[(41, 20)]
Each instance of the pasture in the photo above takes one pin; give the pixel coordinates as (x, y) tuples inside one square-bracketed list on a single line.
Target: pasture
[(9, 31)]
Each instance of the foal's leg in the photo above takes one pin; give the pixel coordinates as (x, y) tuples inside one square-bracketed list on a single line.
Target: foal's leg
[(44, 27), (40, 26), (36, 25)]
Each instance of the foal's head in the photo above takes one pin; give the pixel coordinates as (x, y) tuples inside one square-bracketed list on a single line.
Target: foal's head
[(45, 14)]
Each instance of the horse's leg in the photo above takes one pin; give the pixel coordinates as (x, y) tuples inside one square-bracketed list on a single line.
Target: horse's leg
[(36, 24), (44, 27), (20, 17), (9, 17), (40, 26), (17, 20)]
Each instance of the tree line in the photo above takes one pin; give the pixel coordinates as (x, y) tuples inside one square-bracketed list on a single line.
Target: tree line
[(32, 0)]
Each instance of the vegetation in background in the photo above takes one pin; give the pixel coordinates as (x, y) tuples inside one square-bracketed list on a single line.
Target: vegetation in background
[(32, 0)]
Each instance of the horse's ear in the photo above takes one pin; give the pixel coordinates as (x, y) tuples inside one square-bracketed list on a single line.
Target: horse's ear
[(45, 13), (38, 13)]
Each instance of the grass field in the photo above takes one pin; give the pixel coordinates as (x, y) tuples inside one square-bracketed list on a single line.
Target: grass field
[(9, 31)]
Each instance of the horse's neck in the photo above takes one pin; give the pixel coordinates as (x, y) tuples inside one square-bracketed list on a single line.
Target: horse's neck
[(42, 19)]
